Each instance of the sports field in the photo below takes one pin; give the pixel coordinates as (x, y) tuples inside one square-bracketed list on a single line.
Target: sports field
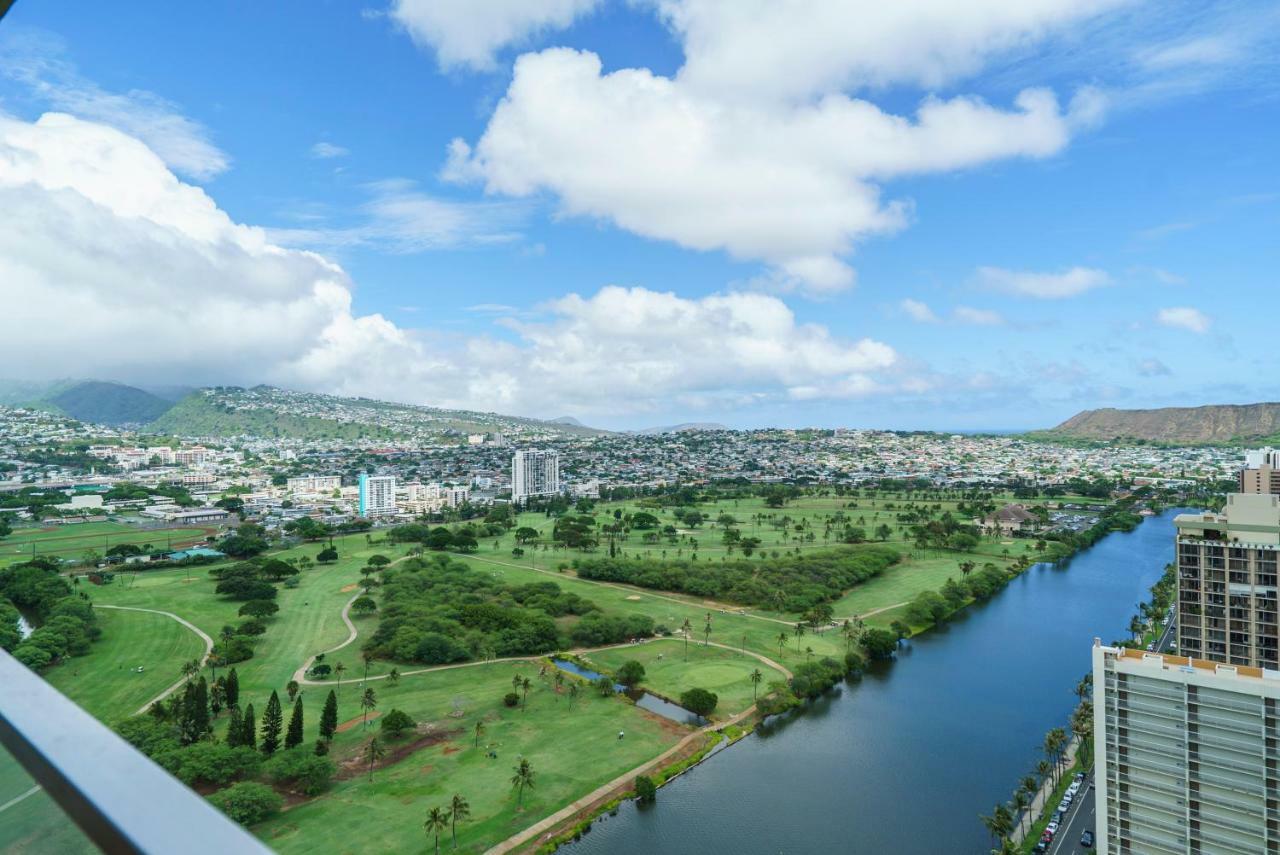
[(74, 540)]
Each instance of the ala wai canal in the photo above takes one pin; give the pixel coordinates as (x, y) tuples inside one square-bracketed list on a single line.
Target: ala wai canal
[(904, 761)]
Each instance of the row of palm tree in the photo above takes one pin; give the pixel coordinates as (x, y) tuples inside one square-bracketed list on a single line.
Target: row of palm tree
[(440, 818)]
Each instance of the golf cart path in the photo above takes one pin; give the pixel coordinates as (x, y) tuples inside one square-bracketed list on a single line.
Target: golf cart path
[(204, 636), (301, 674)]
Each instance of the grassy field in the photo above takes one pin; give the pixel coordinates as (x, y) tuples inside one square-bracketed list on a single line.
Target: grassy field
[(725, 672), (571, 752), (103, 682), (75, 539)]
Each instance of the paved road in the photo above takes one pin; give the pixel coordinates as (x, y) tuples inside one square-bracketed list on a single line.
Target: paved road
[(1082, 817), (1168, 638)]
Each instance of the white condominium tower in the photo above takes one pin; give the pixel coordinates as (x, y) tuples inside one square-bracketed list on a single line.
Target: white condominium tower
[(1187, 755), (534, 473), (377, 495)]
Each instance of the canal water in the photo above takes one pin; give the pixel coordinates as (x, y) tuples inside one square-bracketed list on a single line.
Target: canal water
[(904, 761)]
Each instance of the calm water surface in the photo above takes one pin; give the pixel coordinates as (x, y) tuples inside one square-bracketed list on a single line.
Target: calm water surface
[(904, 761)]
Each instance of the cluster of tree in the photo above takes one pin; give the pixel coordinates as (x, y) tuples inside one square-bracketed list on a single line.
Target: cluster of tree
[(252, 584), (794, 583), (308, 528), (810, 679), (245, 541), (932, 607), (437, 610), (126, 491), (65, 622), (462, 538), (179, 734)]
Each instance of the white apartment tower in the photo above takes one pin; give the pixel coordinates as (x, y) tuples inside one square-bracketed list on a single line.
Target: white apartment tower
[(1187, 753), (377, 495), (534, 473)]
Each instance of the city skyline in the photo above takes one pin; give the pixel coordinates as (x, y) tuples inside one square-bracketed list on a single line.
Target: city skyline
[(850, 239)]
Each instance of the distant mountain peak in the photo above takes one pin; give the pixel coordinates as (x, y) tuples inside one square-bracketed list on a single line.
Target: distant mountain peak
[(1212, 423)]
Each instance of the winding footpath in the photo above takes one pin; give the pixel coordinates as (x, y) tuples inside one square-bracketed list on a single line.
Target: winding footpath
[(208, 647), (301, 674)]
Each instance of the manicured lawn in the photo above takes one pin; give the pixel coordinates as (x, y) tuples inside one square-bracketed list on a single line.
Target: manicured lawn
[(75, 539), (571, 752), (35, 824), (104, 683), (725, 672)]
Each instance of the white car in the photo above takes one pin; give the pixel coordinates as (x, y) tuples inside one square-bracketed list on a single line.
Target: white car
[(1052, 827)]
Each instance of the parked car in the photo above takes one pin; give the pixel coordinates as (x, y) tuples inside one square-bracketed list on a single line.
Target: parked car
[(1079, 776), (1052, 827), (1086, 840), (1041, 847)]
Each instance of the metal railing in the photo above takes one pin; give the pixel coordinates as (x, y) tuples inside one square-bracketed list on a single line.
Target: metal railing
[(119, 798)]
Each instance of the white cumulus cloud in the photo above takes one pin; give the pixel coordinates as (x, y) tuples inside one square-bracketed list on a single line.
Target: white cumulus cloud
[(1044, 286), (795, 186), (111, 266), (781, 49), (1185, 318), (469, 32)]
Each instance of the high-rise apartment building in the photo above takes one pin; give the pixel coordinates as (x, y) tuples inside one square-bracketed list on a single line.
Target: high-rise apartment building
[(534, 473), (1261, 472), (377, 495), (314, 484), (1227, 603), (1187, 755)]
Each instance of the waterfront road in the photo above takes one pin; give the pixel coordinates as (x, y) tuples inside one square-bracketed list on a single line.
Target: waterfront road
[(1169, 637), (1081, 818)]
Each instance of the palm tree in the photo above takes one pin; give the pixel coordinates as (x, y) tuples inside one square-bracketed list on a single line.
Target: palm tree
[(393, 676), (373, 752), (573, 694), (190, 669), (479, 731), (521, 779), (686, 628), (338, 671), (782, 642), (515, 682), (1003, 820), (559, 680), (756, 677), (1020, 802), (458, 810), (1007, 847), (799, 630), (368, 701), (1044, 770), (437, 821), (706, 638), (1084, 686), (525, 684)]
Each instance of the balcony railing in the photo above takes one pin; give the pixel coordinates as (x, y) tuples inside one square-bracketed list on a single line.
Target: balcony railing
[(123, 802)]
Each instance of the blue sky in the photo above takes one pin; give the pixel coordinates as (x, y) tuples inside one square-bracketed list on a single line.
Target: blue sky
[(654, 211)]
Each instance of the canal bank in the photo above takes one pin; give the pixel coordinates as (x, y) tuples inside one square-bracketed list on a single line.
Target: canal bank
[(906, 760)]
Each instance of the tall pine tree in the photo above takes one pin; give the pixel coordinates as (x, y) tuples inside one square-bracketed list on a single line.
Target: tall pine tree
[(233, 689), (329, 718), (272, 724), (293, 737), (234, 728), (249, 729)]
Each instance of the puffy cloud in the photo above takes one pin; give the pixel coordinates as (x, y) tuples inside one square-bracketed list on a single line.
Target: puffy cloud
[(111, 266), (37, 62), (327, 150), (978, 317), (1185, 318), (919, 311), (792, 185), (1043, 286), (470, 32), (781, 49)]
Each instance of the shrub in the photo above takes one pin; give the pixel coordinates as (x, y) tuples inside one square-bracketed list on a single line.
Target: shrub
[(880, 643), (699, 701), (646, 790), (397, 722), (210, 763), (304, 770), (247, 802), (511, 699), (252, 627), (630, 674)]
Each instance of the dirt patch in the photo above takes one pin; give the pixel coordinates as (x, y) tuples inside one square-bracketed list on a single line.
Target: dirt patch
[(348, 588), (635, 597), (451, 749), (396, 750), (357, 721)]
